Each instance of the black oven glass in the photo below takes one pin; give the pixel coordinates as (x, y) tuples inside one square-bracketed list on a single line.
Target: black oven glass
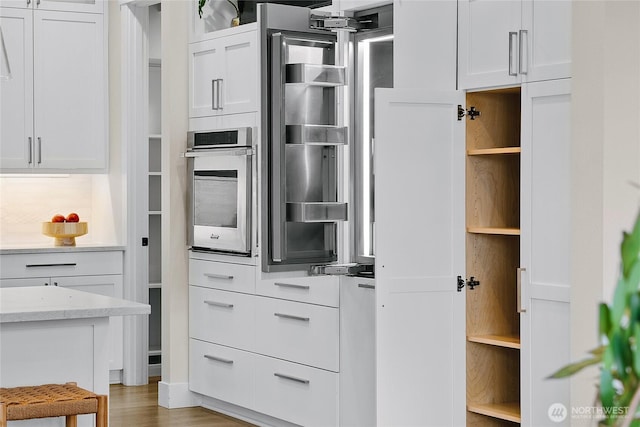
[(212, 139), (216, 198)]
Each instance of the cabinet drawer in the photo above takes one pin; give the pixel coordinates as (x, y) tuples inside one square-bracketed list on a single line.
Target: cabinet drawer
[(302, 333), (221, 372), (60, 264), (218, 275), (296, 393), (221, 317), (323, 290)]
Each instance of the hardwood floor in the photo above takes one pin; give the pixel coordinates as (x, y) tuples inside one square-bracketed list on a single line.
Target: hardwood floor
[(138, 406)]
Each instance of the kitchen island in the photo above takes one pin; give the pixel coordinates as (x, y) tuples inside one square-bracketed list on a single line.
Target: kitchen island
[(50, 334)]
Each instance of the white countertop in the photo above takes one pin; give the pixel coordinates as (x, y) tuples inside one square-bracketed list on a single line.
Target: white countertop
[(50, 248), (37, 303)]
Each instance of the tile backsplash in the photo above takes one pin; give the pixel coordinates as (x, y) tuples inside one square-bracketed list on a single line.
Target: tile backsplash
[(28, 201)]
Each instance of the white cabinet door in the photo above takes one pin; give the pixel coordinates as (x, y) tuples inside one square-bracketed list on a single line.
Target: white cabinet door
[(420, 208), (111, 286), (357, 352), (431, 63), (92, 6), (16, 102), (506, 42), (69, 91), (545, 247), (488, 42), (547, 38), (223, 75)]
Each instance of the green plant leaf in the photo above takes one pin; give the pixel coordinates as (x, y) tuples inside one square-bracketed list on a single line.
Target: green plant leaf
[(573, 368), (619, 304), (621, 353), (604, 324), (607, 392), (636, 350)]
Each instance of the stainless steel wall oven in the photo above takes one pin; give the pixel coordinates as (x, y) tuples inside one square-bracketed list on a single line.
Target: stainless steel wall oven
[(219, 189)]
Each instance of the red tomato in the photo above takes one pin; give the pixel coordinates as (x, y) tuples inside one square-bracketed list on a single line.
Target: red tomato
[(57, 218), (73, 217)]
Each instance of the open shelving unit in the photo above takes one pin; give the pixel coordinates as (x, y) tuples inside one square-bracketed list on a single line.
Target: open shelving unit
[(493, 257), (155, 194)]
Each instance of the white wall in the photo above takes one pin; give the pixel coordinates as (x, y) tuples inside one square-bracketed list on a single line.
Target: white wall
[(605, 157)]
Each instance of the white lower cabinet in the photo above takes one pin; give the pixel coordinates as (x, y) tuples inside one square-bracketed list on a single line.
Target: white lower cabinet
[(221, 372), (98, 272), (270, 346), (300, 394), (222, 317), (302, 333)]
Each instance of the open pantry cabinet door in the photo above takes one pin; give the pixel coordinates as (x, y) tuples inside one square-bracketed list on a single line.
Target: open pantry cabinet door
[(420, 213)]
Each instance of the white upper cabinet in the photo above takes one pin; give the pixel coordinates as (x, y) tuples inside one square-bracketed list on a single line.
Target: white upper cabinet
[(54, 105), (16, 102), (505, 43), (223, 73), (91, 6)]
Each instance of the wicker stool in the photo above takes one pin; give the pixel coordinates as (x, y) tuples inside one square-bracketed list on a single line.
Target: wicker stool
[(52, 400)]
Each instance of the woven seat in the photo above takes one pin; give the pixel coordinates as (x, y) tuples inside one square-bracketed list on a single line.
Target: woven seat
[(51, 400)]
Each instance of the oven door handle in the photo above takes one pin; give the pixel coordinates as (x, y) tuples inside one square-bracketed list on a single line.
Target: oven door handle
[(241, 151)]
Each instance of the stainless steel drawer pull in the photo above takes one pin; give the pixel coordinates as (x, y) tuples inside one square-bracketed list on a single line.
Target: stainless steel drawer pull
[(290, 316), (218, 359), (289, 377), (62, 264), (218, 276), (291, 285), (218, 304), (366, 286)]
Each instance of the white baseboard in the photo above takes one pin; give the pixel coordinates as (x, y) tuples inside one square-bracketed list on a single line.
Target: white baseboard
[(175, 395), (115, 376), (241, 413)]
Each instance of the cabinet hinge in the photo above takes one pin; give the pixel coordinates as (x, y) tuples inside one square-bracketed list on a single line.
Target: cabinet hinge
[(471, 283), (472, 113)]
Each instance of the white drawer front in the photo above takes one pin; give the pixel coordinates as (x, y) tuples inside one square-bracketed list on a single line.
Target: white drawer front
[(323, 290), (60, 264), (222, 317), (296, 393), (221, 372), (218, 275), (302, 333)]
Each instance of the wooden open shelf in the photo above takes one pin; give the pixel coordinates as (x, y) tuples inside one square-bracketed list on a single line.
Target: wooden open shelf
[(493, 257), (504, 231), (503, 411), (494, 151), (509, 341)]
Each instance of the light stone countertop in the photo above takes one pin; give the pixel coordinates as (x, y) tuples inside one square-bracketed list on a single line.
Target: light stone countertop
[(33, 249), (38, 303)]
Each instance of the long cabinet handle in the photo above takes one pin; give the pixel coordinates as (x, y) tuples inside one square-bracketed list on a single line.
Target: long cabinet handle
[(218, 304), (30, 145), (219, 96), (512, 35), (523, 65), (39, 150), (218, 359), (366, 286), (291, 285), (519, 290), (61, 264), (218, 276), (291, 378), (213, 94), (291, 316)]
